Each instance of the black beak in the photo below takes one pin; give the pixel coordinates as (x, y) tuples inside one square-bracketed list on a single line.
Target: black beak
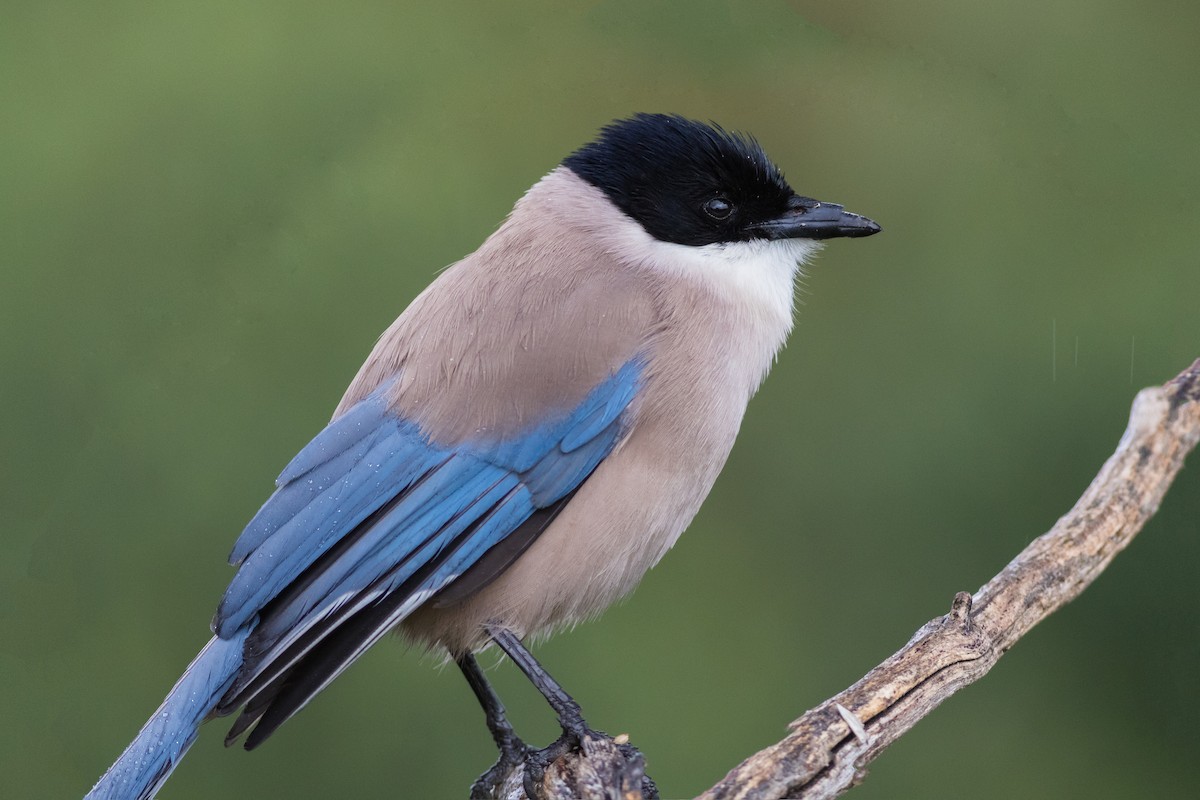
[(806, 218)]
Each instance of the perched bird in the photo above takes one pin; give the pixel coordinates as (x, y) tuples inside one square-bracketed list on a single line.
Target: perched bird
[(524, 442)]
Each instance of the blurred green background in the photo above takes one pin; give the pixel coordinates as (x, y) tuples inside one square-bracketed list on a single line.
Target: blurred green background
[(210, 210)]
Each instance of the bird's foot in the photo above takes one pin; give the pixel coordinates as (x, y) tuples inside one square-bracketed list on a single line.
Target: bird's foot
[(514, 754), (589, 757)]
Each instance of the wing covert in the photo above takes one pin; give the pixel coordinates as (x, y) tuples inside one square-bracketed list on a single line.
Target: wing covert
[(371, 519)]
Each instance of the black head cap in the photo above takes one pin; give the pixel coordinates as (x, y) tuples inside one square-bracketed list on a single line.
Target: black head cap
[(696, 184), (684, 181)]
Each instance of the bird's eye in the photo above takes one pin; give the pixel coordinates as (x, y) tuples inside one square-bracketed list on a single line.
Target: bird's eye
[(718, 208)]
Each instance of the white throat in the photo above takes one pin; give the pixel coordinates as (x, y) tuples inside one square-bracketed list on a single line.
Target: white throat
[(757, 277)]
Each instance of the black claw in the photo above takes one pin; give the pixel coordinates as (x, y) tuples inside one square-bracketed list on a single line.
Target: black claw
[(488, 785), (538, 761), (575, 729)]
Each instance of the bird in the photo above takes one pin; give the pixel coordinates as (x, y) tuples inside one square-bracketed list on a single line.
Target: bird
[(525, 441)]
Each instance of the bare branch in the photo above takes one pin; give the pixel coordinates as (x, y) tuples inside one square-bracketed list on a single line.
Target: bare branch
[(824, 755)]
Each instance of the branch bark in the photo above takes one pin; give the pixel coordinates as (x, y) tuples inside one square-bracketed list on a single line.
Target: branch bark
[(828, 747)]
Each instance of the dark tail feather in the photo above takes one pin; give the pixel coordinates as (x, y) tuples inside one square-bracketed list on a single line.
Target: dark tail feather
[(147, 762)]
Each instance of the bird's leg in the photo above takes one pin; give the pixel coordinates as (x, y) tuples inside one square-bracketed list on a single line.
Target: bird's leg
[(570, 717), (569, 714), (513, 751)]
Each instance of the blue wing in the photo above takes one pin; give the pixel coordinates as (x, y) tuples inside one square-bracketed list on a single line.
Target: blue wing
[(371, 519)]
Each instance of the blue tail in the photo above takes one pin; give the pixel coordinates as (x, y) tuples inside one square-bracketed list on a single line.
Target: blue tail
[(148, 761)]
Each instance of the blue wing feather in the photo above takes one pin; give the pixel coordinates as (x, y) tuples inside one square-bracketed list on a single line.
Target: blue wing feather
[(392, 465), (359, 422), (394, 537), (326, 459), (588, 427), (370, 504)]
